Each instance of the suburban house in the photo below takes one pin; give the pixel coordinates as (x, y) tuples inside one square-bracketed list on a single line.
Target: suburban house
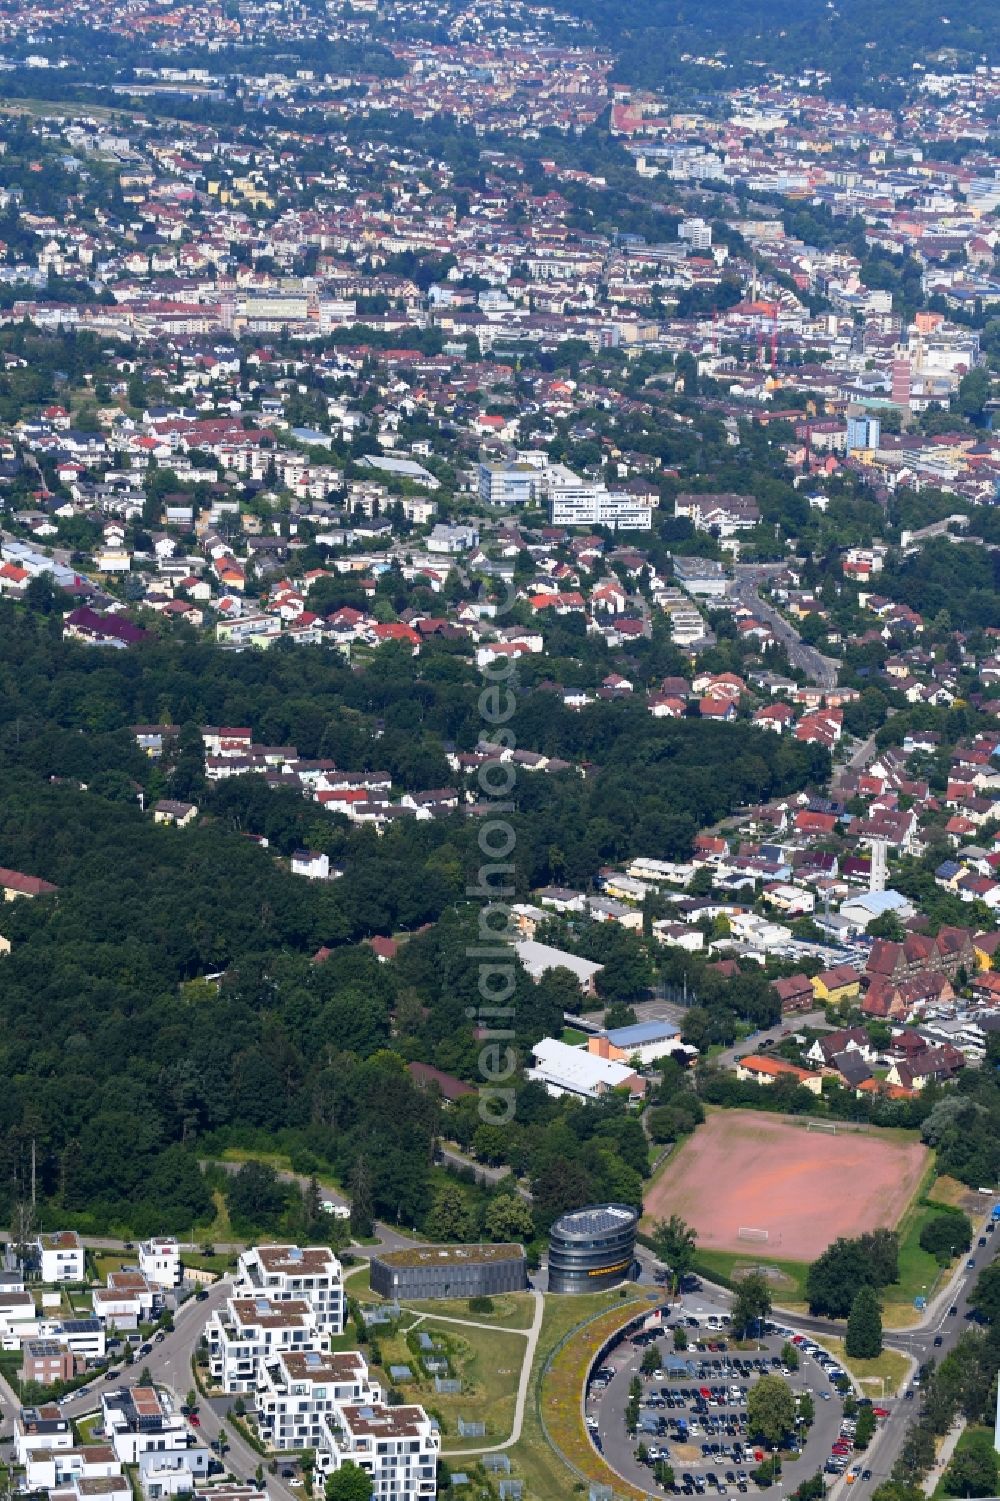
[(160, 1261), (795, 992), (14, 883), (841, 983), (757, 1069), (40, 1428), (61, 1257)]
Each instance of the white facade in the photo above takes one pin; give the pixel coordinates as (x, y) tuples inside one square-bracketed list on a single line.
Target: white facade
[(249, 1332), (296, 1393), (396, 1446), (160, 1261), (47, 1468), (62, 1257), (85, 1337), (136, 1423), (38, 1428), (18, 1319), (282, 1273), (173, 1473)]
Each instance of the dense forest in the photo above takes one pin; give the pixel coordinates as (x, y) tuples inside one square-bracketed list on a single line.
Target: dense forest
[(169, 992), (860, 44)]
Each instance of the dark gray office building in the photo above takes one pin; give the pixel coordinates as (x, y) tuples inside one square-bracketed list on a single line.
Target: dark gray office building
[(449, 1271), (592, 1248)]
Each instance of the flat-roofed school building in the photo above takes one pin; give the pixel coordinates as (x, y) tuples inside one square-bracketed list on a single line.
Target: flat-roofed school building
[(450, 1271)]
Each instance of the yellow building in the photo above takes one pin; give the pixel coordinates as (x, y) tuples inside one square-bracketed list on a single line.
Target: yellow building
[(842, 983)]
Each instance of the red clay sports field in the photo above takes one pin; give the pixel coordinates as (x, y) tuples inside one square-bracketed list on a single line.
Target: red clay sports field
[(743, 1173)]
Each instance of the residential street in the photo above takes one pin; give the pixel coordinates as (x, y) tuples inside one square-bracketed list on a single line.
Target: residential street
[(819, 669)]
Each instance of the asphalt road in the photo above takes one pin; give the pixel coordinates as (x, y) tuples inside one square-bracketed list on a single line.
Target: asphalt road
[(919, 1343), (819, 669), (169, 1364)]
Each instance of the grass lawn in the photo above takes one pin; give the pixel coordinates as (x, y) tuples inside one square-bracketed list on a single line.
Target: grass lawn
[(220, 1228), (218, 1262), (113, 1261), (945, 1190), (510, 1310), (967, 1437), (86, 1428), (488, 1363), (788, 1285), (887, 1372), (557, 1391), (573, 1036)]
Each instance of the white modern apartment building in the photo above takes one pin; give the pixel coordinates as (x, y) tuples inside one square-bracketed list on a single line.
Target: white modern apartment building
[(249, 1332), (506, 485), (47, 1469), (61, 1257), (136, 1422), (397, 1446), (160, 1261), (297, 1391), (37, 1428), (283, 1273), (18, 1319), (577, 502)]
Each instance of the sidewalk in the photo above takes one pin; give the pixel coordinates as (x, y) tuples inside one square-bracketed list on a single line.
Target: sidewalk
[(943, 1460)]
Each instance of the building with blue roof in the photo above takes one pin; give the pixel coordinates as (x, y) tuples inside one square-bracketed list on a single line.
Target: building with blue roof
[(646, 1041)]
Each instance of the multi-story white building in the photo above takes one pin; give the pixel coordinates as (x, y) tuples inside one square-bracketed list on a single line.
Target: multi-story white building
[(577, 502), (37, 1428), (18, 1319), (249, 1332), (160, 1261), (47, 1469), (506, 485), (397, 1446), (283, 1273), (136, 1422), (61, 1257), (296, 1392)]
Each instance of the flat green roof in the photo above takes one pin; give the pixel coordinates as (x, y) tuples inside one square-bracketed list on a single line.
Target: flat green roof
[(449, 1255)]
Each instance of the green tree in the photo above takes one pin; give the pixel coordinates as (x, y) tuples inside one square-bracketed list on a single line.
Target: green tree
[(771, 1409), (985, 1297), (752, 1303), (362, 1202), (946, 1235), (864, 1326), (650, 1360), (450, 1217), (508, 1217), (349, 1483), (974, 1469), (255, 1195), (674, 1242)]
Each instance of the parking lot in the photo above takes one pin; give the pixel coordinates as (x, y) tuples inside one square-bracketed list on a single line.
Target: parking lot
[(693, 1407)]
